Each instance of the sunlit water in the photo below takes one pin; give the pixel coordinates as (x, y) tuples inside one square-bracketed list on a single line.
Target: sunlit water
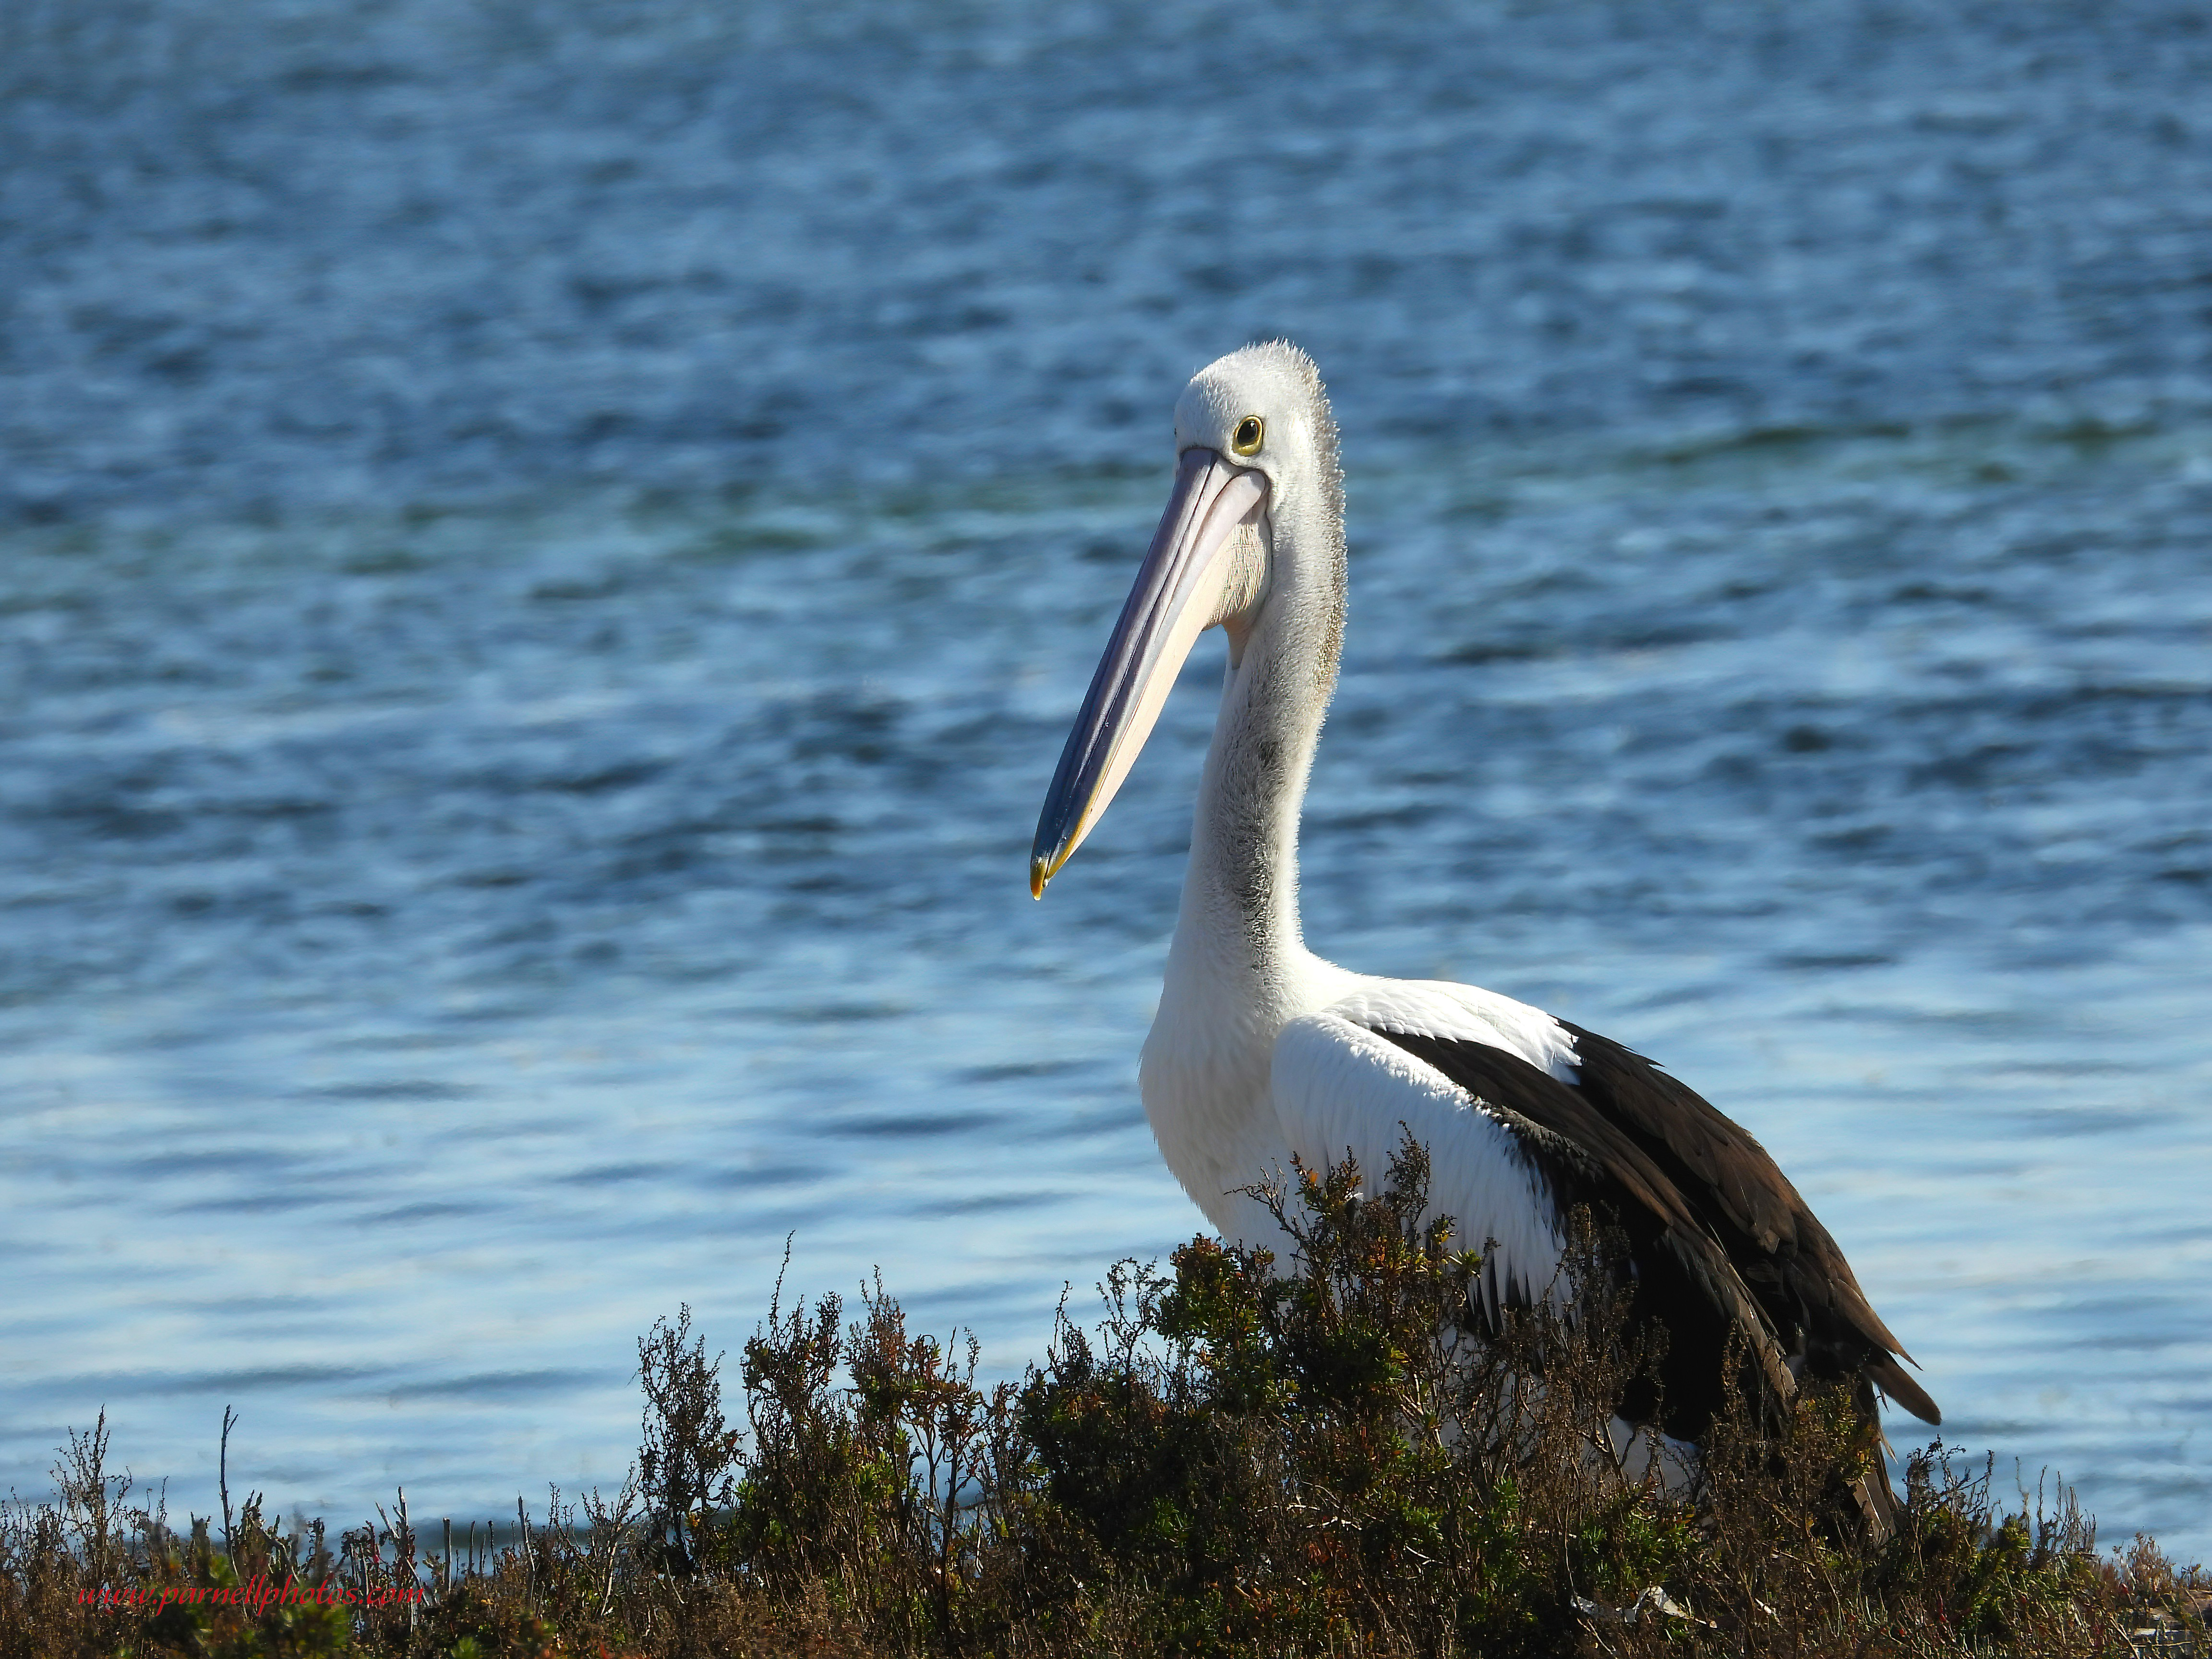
[(552, 556)]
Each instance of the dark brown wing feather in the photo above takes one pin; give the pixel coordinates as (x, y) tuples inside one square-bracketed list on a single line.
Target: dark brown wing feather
[(1683, 1275), (1727, 1223), (1786, 1257)]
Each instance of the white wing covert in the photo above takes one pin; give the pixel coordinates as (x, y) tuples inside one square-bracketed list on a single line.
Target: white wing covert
[(1463, 1013), (1339, 1088)]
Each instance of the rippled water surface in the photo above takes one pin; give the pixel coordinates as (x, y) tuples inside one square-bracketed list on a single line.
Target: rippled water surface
[(546, 553)]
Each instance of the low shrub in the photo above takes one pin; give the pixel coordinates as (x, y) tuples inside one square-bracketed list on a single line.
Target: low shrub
[(1230, 1460)]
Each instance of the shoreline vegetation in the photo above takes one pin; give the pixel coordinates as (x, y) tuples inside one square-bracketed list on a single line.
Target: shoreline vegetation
[(1227, 1461)]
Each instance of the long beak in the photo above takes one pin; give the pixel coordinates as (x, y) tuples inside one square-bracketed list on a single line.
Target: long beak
[(1176, 597)]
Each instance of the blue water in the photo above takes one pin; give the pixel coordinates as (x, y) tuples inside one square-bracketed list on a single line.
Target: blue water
[(547, 552)]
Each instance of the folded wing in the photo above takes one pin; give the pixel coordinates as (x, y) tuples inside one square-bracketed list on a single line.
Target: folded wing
[(1719, 1239)]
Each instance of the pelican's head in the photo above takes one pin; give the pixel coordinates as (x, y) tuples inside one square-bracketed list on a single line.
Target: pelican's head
[(1253, 530)]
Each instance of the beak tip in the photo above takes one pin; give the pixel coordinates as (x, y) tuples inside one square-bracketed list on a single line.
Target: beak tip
[(1038, 878)]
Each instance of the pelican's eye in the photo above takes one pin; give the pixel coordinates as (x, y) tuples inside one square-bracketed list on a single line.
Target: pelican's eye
[(1250, 432)]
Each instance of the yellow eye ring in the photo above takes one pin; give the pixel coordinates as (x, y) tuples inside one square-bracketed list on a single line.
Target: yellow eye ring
[(1251, 432)]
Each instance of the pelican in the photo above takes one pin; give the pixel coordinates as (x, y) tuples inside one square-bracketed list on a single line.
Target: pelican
[(1261, 1050)]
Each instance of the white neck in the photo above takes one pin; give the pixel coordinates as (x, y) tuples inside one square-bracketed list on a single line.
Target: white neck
[(1237, 940), (1238, 970), (1239, 920)]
